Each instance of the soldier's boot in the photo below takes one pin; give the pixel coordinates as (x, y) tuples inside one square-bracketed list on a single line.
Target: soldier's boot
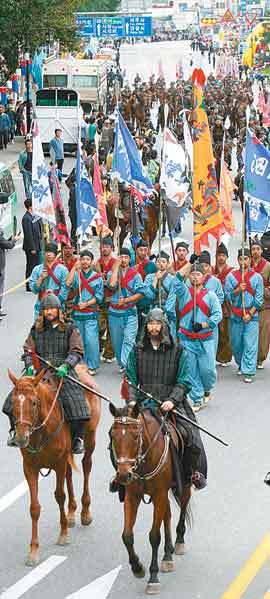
[(77, 436), (197, 478), (11, 442)]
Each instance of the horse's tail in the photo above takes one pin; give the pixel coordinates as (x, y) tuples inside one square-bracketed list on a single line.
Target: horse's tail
[(72, 462)]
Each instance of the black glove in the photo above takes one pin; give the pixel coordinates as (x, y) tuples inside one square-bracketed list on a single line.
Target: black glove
[(193, 258), (197, 327)]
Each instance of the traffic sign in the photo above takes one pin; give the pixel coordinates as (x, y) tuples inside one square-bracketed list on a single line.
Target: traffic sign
[(227, 17), (118, 26)]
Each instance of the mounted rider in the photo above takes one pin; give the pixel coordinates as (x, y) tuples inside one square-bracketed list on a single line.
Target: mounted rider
[(59, 343), (159, 367)]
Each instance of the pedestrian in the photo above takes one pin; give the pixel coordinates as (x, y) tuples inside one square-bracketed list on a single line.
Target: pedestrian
[(244, 292), (4, 128), (10, 111), (25, 166), (221, 270), (5, 244), (107, 137), (72, 209), (32, 240), (87, 286), (199, 314), (127, 286), (49, 277), (261, 266), (104, 265), (56, 147)]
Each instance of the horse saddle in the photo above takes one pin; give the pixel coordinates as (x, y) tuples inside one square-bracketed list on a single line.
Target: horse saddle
[(176, 437)]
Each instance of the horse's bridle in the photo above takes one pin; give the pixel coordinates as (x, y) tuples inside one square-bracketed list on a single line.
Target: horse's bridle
[(34, 426), (140, 458)]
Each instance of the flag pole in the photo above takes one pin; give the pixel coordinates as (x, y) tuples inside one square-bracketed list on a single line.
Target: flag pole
[(115, 189), (166, 111), (244, 221)]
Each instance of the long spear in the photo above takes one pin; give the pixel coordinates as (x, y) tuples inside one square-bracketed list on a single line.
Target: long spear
[(166, 112), (184, 418)]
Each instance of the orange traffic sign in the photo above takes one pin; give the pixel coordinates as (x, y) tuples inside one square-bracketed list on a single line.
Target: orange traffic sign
[(227, 17)]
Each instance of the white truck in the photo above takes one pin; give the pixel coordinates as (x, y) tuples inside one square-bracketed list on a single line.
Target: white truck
[(88, 77), (59, 109)]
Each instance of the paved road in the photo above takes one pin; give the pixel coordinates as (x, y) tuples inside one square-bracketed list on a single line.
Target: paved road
[(230, 517)]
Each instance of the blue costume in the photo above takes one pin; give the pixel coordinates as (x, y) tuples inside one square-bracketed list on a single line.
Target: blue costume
[(200, 346), (152, 294), (86, 319), (245, 335), (213, 284), (123, 319), (55, 282)]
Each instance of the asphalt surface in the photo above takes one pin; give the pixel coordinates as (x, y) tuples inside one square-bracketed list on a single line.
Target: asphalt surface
[(230, 517)]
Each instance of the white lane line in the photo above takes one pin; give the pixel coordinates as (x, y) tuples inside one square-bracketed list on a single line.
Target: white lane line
[(13, 495), (28, 581), (98, 589)]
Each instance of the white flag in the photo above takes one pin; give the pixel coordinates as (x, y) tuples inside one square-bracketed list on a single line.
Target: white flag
[(42, 204), (173, 169)]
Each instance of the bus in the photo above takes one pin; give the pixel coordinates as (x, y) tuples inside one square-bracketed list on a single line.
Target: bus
[(88, 77), (59, 109)]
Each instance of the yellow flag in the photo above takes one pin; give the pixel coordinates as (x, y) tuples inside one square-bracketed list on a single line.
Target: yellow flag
[(207, 211)]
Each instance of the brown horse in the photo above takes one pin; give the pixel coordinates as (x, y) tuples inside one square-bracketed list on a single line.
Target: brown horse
[(144, 466), (45, 442), (151, 220)]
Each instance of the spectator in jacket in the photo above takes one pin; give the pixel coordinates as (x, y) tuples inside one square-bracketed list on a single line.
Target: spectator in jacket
[(5, 244), (32, 240), (4, 127), (25, 166), (56, 147)]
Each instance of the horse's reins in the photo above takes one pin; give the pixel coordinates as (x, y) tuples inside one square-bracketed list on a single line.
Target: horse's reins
[(141, 457)]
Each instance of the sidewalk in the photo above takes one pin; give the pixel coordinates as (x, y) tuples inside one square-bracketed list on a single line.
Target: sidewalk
[(10, 156)]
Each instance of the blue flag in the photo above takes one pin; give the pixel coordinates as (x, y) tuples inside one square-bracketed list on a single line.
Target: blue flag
[(127, 164), (86, 204), (257, 184)]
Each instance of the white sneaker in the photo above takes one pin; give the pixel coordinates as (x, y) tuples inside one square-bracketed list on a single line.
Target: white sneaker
[(224, 364), (239, 373), (248, 379), (260, 366), (92, 371), (207, 397), (122, 369), (197, 406)]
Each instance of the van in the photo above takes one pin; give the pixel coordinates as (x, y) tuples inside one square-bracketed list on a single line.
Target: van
[(8, 203)]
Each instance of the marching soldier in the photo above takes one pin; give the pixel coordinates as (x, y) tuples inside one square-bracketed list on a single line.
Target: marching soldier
[(50, 276), (104, 265), (244, 292), (87, 287), (221, 270), (127, 287), (158, 286), (261, 266)]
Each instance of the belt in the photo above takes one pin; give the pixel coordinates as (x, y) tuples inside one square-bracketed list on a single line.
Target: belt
[(86, 310), (122, 306), (240, 311), (193, 335)]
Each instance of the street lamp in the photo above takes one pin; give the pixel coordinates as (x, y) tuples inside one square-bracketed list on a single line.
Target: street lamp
[(27, 81)]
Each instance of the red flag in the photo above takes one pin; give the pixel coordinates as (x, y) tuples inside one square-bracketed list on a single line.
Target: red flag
[(60, 231)]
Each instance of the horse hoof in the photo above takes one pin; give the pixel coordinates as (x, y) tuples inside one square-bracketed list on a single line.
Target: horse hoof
[(71, 522), (166, 566), (139, 572), (180, 549), (31, 562), (86, 520), (63, 540), (152, 588)]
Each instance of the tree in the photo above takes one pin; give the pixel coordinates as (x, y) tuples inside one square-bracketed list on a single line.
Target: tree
[(99, 5), (27, 24)]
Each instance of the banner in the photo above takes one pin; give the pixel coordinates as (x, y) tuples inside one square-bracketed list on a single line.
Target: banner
[(60, 231), (257, 184), (86, 205), (127, 163), (206, 204), (42, 204), (173, 180), (226, 190)]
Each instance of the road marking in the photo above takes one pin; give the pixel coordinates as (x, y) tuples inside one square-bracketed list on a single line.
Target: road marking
[(99, 588), (13, 495), (249, 571), (28, 581)]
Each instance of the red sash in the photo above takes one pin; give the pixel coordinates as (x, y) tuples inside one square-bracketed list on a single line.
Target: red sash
[(223, 274), (237, 274), (200, 303), (179, 265), (260, 266), (85, 282), (140, 268), (70, 265), (193, 335), (107, 267), (127, 278), (50, 271)]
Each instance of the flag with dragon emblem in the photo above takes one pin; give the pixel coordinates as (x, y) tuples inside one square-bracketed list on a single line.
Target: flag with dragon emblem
[(207, 212)]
